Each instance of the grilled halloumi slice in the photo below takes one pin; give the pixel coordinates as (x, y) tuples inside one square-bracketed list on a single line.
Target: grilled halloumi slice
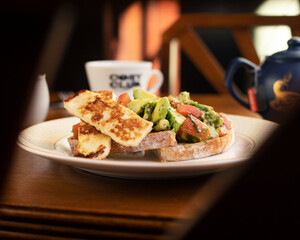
[(106, 95), (92, 143), (120, 123)]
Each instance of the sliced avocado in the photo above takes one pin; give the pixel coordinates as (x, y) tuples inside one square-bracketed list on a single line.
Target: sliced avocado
[(184, 97), (137, 105), (142, 94), (162, 125), (213, 132), (202, 107), (213, 119), (148, 109), (161, 109), (175, 119)]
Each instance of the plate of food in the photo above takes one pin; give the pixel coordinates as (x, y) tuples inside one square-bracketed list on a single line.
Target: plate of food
[(147, 137)]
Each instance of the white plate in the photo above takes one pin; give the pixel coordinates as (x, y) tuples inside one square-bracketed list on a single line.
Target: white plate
[(49, 140)]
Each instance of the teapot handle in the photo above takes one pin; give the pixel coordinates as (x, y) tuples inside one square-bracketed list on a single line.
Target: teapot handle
[(232, 69)]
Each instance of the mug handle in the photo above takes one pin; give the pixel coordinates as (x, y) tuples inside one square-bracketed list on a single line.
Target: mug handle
[(159, 80), (232, 69)]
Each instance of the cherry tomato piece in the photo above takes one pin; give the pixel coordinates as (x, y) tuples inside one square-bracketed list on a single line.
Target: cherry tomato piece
[(185, 110), (227, 121), (124, 99), (175, 104), (223, 131), (195, 128)]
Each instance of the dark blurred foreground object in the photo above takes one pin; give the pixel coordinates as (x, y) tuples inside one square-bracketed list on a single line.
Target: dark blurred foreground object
[(30, 46), (262, 199), (21, 42)]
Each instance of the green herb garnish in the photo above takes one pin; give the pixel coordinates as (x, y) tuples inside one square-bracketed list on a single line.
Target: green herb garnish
[(194, 122), (205, 130)]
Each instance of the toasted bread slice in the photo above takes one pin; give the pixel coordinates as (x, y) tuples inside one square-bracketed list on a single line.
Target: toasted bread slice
[(165, 146), (151, 141), (92, 143), (110, 118), (197, 150), (158, 142)]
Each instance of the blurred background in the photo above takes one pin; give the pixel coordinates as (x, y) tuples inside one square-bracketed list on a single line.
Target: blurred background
[(126, 30), (108, 30)]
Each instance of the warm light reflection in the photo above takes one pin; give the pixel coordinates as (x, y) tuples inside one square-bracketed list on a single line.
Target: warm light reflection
[(141, 29), (174, 81), (269, 40), (130, 33), (160, 15), (152, 21)]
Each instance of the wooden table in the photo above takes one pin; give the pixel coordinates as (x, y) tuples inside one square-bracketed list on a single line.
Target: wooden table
[(47, 200)]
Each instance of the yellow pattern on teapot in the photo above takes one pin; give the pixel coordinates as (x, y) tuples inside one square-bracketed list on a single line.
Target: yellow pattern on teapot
[(284, 100)]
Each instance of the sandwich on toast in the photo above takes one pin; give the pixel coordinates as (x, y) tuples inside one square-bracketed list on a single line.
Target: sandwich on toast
[(175, 128)]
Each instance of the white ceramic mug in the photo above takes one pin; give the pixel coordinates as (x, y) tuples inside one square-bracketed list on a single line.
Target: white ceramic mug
[(121, 76)]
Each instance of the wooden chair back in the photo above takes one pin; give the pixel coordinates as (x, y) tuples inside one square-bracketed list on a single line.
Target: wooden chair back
[(182, 35)]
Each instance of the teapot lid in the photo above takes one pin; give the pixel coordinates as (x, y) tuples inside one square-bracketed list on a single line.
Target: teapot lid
[(291, 54)]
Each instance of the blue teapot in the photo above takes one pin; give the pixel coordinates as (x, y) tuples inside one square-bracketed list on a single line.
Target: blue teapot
[(275, 85)]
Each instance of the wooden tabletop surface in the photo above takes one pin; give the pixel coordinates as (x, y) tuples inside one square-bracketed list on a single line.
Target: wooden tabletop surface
[(48, 200)]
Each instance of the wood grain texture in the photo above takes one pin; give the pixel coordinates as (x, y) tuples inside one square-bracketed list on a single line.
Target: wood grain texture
[(243, 38), (194, 47)]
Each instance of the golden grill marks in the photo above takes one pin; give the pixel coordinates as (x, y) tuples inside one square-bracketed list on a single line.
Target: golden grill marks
[(92, 143), (110, 118), (106, 95)]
